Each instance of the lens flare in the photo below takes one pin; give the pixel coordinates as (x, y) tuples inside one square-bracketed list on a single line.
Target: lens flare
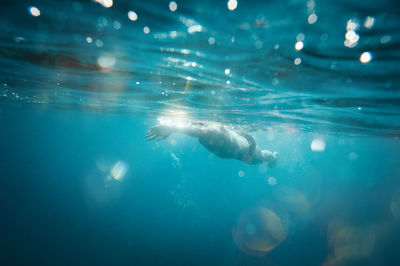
[(349, 242), (294, 200), (258, 231), (119, 170)]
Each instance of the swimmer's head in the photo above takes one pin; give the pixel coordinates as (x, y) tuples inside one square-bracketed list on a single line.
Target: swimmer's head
[(270, 158)]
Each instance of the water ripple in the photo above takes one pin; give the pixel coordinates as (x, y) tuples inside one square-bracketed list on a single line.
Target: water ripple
[(237, 67)]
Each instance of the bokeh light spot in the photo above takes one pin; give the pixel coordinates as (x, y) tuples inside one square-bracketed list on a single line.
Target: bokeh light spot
[(312, 19), (385, 39), (258, 44), (119, 170), (293, 199), (34, 11), (369, 22), (99, 43), (117, 25), (349, 243), (211, 41), (195, 28), (132, 15), (232, 5), (299, 45), (106, 61), (300, 37), (318, 145), (272, 181), (105, 3), (173, 6), (258, 231), (365, 57)]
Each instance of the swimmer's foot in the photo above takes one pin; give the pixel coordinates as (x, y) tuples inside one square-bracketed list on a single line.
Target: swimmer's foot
[(158, 133), (272, 164)]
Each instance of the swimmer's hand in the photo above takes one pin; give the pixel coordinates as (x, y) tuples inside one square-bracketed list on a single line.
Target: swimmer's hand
[(158, 133), (272, 164)]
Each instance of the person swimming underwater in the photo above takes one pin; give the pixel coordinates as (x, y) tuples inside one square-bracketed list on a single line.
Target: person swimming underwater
[(218, 139)]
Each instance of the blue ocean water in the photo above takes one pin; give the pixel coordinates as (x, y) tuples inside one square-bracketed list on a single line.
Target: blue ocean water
[(82, 81)]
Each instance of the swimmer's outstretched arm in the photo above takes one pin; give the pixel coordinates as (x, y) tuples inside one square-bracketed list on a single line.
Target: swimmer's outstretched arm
[(161, 132)]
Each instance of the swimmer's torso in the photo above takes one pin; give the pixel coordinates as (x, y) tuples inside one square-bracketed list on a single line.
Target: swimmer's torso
[(225, 143)]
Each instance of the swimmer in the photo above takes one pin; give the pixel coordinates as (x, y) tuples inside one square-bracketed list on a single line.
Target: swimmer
[(220, 140)]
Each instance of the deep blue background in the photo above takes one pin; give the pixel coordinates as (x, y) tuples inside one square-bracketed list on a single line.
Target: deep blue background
[(57, 207)]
